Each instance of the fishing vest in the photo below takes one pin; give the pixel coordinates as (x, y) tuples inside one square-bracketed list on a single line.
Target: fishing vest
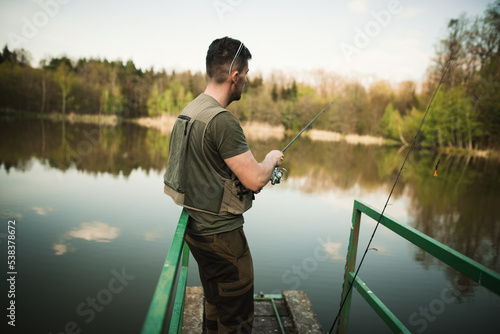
[(190, 179)]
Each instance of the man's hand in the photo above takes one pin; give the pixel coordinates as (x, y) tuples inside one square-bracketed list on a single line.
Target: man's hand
[(276, 156), (254, 175)]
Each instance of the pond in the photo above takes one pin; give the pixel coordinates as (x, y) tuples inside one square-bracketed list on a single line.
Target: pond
[(92, 228)]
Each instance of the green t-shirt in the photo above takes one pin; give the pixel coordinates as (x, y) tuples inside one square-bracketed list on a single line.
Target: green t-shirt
[(224, 138)]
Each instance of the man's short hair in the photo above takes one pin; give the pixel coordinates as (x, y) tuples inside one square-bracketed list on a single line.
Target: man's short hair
[(220, 55)]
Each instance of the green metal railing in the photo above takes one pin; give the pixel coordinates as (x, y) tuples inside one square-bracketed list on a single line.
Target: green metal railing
[(166, 310), (272, 298), (167, 307), (470, 268)]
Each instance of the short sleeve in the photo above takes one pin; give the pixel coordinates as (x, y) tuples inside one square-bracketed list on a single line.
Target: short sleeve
[(225, 136)]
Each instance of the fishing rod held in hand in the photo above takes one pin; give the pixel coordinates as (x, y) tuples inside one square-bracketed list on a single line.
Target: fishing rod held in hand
[(280, 173)]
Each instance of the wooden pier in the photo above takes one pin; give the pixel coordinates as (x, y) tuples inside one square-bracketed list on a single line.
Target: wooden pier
[(289, 312)]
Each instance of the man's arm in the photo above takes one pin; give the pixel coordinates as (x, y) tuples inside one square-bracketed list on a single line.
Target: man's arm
[(254, 175)]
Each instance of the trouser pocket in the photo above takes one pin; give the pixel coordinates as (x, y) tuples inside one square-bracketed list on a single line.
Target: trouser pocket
[(231, 289)]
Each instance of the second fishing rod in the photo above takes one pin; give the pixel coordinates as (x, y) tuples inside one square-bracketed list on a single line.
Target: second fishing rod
[(410, 150)]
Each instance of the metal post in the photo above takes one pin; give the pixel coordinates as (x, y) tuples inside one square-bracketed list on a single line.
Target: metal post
[(177, 317), (350, 266)]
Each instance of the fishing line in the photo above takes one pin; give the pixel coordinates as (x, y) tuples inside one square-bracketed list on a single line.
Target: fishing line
[(390, 194)]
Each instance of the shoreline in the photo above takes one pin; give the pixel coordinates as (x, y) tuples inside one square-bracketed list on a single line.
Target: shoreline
[(253, 130), (263, 131), (108, 120)]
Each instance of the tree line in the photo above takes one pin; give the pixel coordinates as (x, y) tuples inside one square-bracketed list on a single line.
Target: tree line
[(465, 112), (91, 86)]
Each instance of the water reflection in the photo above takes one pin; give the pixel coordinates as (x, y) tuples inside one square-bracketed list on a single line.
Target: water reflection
[(95, 231), (9, 214), (92, 231), (42, 211), (88, 147), (335, 250), (457, 208), (92, 196)]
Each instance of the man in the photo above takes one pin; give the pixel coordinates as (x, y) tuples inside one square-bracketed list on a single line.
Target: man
[(213, 174)]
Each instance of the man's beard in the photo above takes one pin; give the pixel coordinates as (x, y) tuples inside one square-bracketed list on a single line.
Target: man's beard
[(235, 96)]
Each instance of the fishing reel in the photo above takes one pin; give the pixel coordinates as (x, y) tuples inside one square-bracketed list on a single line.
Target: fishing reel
[(279, 173)]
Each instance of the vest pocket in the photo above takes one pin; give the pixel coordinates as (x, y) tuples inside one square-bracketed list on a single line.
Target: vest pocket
[(234, 200), (176, 168)]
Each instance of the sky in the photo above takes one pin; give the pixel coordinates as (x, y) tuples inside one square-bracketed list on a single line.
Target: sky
[(393, 40)]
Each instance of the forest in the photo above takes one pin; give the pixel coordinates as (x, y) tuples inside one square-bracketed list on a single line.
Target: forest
[(465, 113)]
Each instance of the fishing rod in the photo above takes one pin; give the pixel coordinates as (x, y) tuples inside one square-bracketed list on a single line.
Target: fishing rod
[(390, 194), (278, 172)]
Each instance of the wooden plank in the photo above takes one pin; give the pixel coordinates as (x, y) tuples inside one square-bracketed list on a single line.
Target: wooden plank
[(302, 313), (265, 320), (193, 310)]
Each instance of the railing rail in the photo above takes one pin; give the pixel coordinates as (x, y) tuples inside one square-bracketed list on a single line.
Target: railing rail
[(167, 307), (470, 268), (166, 310)]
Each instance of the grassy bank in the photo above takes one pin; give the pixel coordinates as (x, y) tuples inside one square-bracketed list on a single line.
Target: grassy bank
[(109, 120)]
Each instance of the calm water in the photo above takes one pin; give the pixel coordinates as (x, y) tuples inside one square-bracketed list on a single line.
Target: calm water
[(93, 228)]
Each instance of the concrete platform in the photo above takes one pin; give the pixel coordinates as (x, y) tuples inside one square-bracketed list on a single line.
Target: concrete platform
[(293, 307)]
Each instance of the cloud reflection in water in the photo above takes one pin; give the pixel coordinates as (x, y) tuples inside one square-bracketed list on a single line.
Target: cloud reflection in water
[(92, 231)]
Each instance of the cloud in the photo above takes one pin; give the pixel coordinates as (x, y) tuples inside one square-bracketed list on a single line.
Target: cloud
[(91, 231), (11, 214), (333, 250), (60, 249), (42, 211), (408, 13), (152, 236), (394, 60), (95, 231), (358, 6)]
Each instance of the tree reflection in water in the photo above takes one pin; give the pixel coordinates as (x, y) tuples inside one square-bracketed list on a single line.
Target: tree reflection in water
[(457, 208)]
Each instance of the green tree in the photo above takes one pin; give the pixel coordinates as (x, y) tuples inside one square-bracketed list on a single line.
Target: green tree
[(452, 120), (289, 115), (485, 90), (160, 102), (274, 93), (391, 122), (378, 96), (409, 126), (405, 98), (65, 78)]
